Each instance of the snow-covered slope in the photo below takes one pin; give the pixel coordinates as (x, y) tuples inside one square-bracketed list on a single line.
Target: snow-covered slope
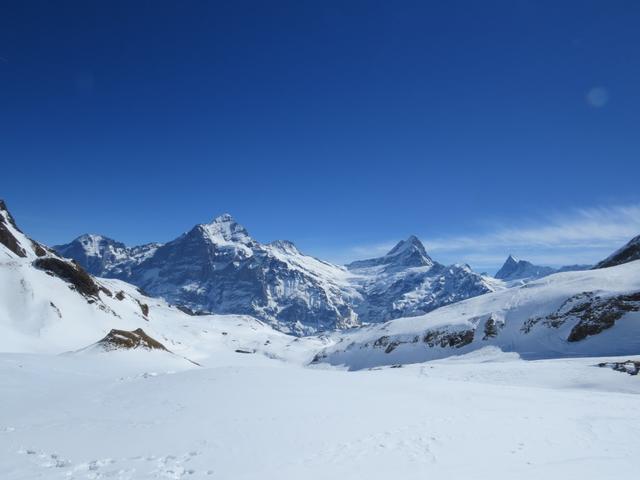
[(407, 282), (50, 305), (627, 253), (585, 313), (139, 415)]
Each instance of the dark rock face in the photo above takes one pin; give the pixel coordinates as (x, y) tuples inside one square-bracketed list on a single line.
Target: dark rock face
[(6, 236), (491, 328), (593, 313), (71, 273), (432, 338), (628, 253), (443, 338), (144, 308), (632, 367), (127, 340)]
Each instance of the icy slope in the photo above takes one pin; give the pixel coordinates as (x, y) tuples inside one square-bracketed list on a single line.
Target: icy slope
[(587, 313)]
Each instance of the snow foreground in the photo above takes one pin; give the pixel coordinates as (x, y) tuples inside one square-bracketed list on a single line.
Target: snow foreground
[(144, 415)]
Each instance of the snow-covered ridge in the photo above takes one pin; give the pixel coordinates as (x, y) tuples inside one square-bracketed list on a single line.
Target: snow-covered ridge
[(218, 267), (627, 253), (583, 313), (103, 256), (515, 269)]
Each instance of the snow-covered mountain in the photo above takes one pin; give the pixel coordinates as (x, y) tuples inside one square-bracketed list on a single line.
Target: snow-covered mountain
[(515, 269), (628, 253), (218, 267), (407, 282), (49, 304), (105, 257), (582, 313)]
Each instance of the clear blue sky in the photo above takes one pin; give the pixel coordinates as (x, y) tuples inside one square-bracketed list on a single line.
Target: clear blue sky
[(342, 126)]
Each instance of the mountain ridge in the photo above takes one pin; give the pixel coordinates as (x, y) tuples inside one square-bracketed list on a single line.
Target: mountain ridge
[(218, 267)]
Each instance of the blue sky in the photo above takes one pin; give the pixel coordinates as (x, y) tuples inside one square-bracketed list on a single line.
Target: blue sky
[(343, 126)]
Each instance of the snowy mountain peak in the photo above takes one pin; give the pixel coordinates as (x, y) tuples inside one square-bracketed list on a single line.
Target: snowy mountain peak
[(514, 269), (410, 252), (511, 260), (406, 253), (95, 245), (224, 229)]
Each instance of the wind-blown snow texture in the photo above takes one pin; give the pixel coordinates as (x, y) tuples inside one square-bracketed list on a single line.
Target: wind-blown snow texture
[(218, 267)]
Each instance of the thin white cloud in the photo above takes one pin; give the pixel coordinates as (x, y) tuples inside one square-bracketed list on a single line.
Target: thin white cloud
[(587, 228), (577, 237)]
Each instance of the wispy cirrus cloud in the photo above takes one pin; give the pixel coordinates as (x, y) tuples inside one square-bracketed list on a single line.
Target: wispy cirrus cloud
[(579, 236)]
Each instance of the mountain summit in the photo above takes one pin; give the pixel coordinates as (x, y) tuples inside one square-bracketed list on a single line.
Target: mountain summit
[(407, 282), (514, 269), (407, 253)]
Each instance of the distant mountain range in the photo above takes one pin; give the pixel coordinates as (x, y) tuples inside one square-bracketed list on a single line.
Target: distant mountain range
[(50, 303), (514, 269), (218, 267)]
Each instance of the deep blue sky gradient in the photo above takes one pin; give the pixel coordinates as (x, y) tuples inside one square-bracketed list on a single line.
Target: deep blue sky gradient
[(333, 124)]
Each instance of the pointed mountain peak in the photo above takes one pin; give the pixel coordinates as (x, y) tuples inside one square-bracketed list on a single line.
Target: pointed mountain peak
[(511, 260), (406, 253), (225, 229), (411, 243), (514, 269), (509, 268), (409, 252)]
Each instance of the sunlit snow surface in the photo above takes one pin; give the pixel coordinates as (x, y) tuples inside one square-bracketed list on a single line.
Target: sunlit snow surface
[(142, 415)]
